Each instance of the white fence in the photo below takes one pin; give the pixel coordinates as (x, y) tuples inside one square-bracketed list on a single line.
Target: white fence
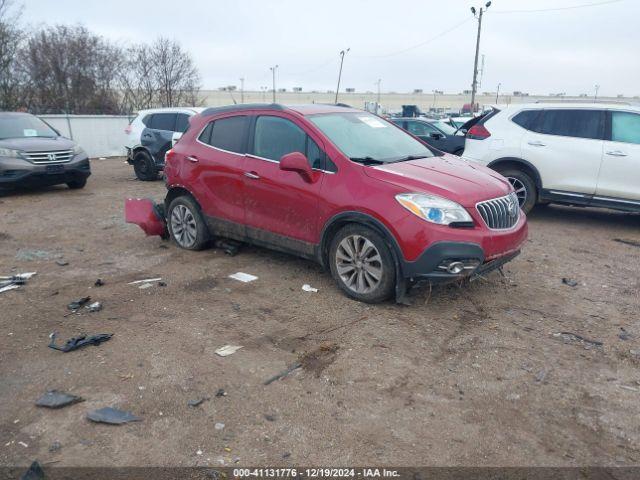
[(99, 135)]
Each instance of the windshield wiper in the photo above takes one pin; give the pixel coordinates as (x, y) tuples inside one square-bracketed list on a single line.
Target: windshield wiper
[(409, 157), (367, 160)]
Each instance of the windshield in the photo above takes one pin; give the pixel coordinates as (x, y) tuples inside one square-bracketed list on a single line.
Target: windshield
[(22, 126), (445, 127), (367, 138)]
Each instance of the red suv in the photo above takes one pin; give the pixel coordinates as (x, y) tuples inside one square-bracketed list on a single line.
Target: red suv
[(372, 203)]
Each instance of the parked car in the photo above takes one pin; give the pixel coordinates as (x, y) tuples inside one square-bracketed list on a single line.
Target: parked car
[(371, 203), (436, 133), (458, 122), (151, 134), (575, 154), (32, 153)]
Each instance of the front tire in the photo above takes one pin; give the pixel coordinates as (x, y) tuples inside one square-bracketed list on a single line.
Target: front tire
[(77, 184), (144, 167), (361, 264), (524, 186), (186, 224)]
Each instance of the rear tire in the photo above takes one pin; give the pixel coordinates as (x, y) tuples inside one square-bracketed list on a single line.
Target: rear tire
[(144, 167), (77, 184), (186, 224), (524, 186), (362, 264)]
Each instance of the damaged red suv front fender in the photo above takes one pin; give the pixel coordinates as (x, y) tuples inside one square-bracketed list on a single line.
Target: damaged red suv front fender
[(147, 214)]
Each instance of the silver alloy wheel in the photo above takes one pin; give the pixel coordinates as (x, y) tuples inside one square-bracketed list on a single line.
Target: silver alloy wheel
[(520, 188), (183, 226), (359, 264)]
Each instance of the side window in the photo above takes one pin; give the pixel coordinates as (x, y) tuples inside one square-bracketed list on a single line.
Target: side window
[(163, 121), (146, 121), (420, 129), (573, 123), (314, 154), (182, 122), (275, 137), (205, 136), (527, 119), (625, 127), (229, 133)]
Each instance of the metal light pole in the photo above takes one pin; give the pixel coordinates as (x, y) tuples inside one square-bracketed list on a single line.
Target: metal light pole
[(242, 90), (378, 84), (474, 85), (597, 88), (273, 73), (434, 100), (498, 93), (342, 54)]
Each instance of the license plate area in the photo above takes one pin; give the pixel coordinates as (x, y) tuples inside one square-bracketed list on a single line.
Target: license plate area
[(54, 169)]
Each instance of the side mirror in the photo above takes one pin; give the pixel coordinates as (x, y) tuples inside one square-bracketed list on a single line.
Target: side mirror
[(297, 162), (175, 137), (436, 136)]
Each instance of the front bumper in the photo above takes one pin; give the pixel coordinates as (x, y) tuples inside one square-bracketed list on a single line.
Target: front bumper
[(15, 172)]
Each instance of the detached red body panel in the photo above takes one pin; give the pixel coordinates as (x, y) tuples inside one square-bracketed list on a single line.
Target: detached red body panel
[(144, 213)]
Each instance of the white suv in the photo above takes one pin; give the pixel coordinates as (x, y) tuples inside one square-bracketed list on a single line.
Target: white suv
[(576, 154)]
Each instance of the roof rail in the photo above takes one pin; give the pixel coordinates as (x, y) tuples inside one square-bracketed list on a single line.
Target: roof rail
[(242, 106), (587, 100)]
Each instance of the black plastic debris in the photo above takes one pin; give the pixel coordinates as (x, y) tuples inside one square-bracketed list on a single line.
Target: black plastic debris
[(284, 373), (14, 281), (221, 393), (56, 399), (79, 342), (270, 418), (230, 247), (633, 243), (35, 472), (94, 307), (112, 416), (55, 446), (98, 283), (62, 263), (624, 335), (76, 304), (570, 336), (162, 284), (195, 403), (570, 282)]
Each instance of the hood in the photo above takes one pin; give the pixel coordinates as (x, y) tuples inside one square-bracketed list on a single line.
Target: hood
[(37, 144), (446, 176)]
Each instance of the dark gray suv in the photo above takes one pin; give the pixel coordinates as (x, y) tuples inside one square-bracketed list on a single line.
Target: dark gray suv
[(32, 153)]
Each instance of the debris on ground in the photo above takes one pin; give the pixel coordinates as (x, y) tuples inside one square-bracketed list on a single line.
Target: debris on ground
[(55, 446), (62, 263), (79, 303), (228, 350), (145, 280), (112, 416), (270, 418), (219, 426), (75, 343), (57, 399), (243, 277), (624, 335), (308, 288), (98, 283), (144, 286), (162, 284), (570, 282), (230, 247), (94, 307), (570, 336), (284, 373), (195, 403), (221, 393), (30, 255), (320, 358), (34, 472), (633, 243), (14, 281), (541, 375)]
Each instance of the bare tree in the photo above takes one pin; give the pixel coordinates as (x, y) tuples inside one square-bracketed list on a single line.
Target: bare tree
[(137, 81), (175, 72), (11, 36)]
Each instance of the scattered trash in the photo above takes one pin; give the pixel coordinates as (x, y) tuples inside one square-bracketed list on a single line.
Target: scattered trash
[(94, 307), (309, 288), (243, 277), (631, 389), (14, 281), (219, 426), (195, 403), (62, 263), (98, 283), (199, 452), (230, 247), (144, 286), (270, 418), (286, 454), (25, 445), (112, 416), (56, 399), (228, 350), (221, 393), (79, 342), (162, 284), (284, 373), (575, 337), (146, 280), (624, 335), (55, 446), (541, 375), (570, 282), (633, 243), (77, 304), (34, 472)]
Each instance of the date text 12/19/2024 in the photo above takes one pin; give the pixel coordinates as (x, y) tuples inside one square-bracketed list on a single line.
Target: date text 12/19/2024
[(315, 473)]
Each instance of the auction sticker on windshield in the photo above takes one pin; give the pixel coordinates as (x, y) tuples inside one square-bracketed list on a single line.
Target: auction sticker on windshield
[(373, 122), (30, 132)]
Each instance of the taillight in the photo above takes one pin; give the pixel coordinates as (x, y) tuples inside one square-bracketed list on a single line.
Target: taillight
[(478, 132), (127, 130)]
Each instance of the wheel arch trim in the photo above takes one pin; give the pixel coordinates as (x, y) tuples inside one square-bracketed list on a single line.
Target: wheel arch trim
[(515, 160)]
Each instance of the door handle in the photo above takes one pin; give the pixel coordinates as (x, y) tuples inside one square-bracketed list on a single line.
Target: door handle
[(252, 175), (537, 144), (192, 159), (617, 153)]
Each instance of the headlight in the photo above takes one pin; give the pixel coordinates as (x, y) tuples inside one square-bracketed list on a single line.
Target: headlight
[(434, 209), (77, 150), (8, 152)]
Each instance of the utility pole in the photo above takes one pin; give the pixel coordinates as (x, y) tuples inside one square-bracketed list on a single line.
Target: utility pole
[(342, 54), (242, 90), (474, 85), (498, 93), (273, 73), (434, 100), (378, 84), (597, 88)]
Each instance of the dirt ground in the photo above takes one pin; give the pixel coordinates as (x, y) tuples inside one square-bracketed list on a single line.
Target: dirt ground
[(470, 376)]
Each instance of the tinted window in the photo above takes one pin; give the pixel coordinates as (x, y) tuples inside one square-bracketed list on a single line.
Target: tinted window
[(573, 123), (625, 127), (205, 136), (527, 119), (314, 154), (420, 129), (229, 133), (275, 137), (163, 121), (147, 120), (182, 122)]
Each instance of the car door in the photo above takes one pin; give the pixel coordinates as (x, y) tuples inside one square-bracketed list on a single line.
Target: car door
[(217, 165), (427, 132), (156, 137), (620, 171), (565, 146), (281, 208)]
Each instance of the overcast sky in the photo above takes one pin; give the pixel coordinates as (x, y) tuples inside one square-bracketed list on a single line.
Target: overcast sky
[(538, 52)]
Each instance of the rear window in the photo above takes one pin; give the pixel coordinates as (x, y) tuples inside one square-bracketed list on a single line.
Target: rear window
[(625, 127), (182, 122), (163, 121), (526, 119), (226, 134), (573, 123)]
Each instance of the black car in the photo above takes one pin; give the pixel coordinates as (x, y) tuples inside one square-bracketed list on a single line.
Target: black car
[(436, 133), (32, 153)]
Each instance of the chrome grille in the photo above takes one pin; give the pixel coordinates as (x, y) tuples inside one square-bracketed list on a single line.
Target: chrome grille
[(500, 213), (57, 156)]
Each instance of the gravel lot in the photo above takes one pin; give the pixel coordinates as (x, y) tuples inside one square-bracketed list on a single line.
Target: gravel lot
[(472, 375)]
